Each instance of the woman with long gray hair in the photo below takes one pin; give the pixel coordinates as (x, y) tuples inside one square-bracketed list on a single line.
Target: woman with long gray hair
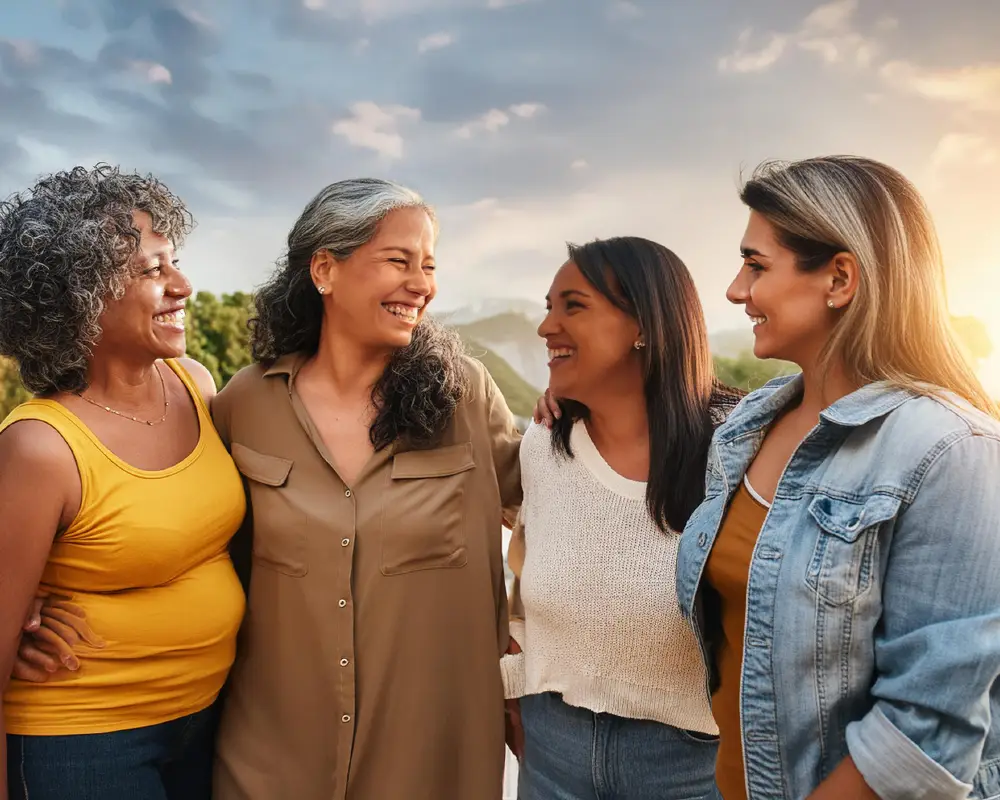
[(842, 569), (380, 462)]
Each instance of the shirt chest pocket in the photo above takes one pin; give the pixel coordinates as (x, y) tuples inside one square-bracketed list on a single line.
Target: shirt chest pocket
[(423, 511), (843, 560), (278, 541)]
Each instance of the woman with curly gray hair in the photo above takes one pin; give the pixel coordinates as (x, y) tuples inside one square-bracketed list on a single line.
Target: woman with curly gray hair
[(115, 490), (380, 463)]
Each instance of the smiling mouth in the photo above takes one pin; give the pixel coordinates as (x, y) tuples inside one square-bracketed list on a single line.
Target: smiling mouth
[(758, 320), (408, 314), (172, 318), (559, 354)]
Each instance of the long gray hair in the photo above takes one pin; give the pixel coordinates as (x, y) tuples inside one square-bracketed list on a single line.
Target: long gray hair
[(423, 383)]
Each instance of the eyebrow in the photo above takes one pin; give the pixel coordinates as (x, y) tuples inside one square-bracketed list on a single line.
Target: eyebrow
[(567, 293), (749, 252)]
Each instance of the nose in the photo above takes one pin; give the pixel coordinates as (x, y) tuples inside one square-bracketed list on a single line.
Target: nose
[(548, 325), (420, 282), (178, 285), (739, 290)]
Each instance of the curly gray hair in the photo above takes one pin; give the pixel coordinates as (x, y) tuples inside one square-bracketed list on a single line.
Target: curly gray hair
[(67, 246)]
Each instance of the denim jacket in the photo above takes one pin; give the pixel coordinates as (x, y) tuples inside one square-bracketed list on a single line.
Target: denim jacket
[(873, 603)]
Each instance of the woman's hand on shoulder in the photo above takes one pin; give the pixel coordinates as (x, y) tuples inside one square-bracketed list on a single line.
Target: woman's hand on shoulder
[(202, 378), (547, 409)]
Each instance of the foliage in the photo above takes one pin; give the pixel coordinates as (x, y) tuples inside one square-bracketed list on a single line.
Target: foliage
[(12, 393), (748, 372), (217, 333)]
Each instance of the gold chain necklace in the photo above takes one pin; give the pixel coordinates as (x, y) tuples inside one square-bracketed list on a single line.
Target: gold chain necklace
[(110, 410)]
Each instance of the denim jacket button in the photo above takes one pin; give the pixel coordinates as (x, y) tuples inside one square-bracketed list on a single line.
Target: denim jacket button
[(702, 540)]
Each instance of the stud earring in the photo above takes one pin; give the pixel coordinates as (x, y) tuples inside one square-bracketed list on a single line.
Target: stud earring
[(830, 304), (321, 289), (639, 345)]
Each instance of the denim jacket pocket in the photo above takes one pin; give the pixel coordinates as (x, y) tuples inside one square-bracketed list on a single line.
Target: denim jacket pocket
[(844, 556)]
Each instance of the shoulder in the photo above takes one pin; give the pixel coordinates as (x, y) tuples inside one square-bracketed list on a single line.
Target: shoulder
[(32, 447), (245, 382), (201, 377), (475, 373), (926, 426)]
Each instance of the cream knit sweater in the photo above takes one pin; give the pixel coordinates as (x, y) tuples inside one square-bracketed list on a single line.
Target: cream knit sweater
[(601, 622)]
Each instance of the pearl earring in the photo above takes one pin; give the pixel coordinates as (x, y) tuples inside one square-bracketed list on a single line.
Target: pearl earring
[(639, 345), (830, 304), (321, 289)]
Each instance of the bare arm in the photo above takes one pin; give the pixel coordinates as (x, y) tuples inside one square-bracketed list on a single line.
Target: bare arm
[(37, 473)]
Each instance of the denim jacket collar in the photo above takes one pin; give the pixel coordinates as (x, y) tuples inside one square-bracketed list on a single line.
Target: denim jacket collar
[(870, 402)]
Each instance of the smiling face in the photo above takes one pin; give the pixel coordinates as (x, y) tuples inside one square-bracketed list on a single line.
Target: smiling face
[(379, 294), (591, 341), (148, 320), (787, 306)]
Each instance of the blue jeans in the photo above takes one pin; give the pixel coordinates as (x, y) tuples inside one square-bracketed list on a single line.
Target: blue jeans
[(170, 761), (575, 754)]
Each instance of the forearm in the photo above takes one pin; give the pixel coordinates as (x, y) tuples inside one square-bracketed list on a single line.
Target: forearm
[(844, 782)]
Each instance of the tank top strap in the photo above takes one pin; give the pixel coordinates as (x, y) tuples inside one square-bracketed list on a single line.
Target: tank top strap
[(77, 436), (204, 415)]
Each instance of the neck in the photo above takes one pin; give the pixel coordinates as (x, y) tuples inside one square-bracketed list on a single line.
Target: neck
[(619, 417), (821, 389), (122, 381), (351, 369)]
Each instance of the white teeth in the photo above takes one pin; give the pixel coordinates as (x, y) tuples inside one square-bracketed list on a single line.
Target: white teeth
[(758, 320), (172, 318), (407, 313), (560, 352)]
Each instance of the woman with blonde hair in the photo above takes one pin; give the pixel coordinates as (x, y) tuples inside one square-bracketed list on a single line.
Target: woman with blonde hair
[(841, 571)]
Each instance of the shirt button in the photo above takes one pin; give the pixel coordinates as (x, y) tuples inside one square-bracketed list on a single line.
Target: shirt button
[(344, 542), (342, 603), (344, 662), (347, 493), (345, 718)]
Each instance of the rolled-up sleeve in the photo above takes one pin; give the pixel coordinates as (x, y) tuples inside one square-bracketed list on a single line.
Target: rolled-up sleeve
[(938, 647)]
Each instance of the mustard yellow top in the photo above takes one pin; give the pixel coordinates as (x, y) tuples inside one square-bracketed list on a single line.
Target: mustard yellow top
[(147, 558)]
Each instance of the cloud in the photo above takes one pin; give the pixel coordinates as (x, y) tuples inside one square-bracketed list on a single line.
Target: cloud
[(376, 127), (495, 119), (151, 72), (435, 41), (974, 87), (624, 10), (527, 110), (826, 32), (492, 121), (750, 57), (579, 164)]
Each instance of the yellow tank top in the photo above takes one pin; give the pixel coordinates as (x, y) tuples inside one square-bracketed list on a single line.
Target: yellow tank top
[(147, 558)]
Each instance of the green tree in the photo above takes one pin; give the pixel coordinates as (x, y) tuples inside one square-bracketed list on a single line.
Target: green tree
[(12, 392), (217, 333), (748, 372)]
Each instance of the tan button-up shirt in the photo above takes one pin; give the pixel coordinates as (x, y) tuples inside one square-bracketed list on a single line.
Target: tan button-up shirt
[(368, 663)]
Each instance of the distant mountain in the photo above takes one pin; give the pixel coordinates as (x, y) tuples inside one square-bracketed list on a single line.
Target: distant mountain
[(514, 337), (519, 394), (493, 307)]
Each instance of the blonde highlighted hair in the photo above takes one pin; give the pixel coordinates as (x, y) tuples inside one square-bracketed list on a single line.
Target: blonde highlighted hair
[(897, 328)]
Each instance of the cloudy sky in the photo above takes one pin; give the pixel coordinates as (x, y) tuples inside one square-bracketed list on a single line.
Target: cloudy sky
[(527, 122)]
